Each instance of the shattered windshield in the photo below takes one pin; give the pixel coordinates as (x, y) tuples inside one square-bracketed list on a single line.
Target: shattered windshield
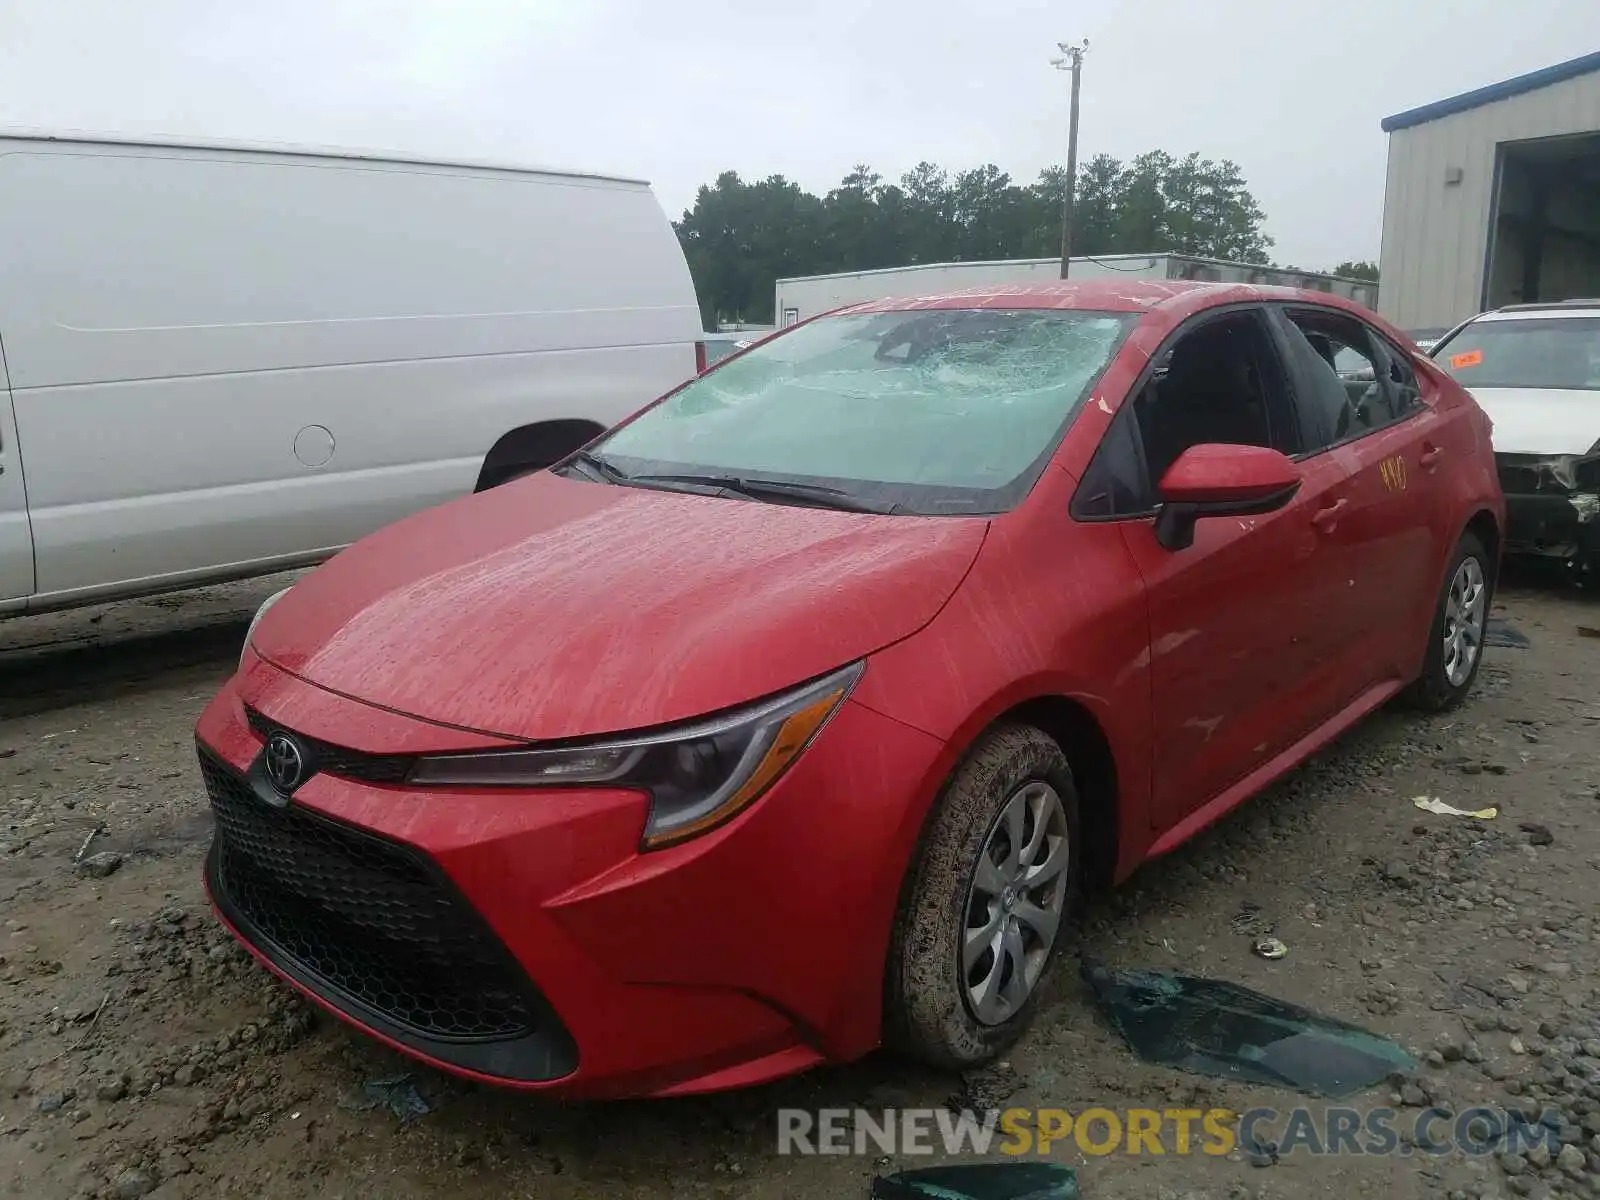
[(933, 411), (1558, 353)]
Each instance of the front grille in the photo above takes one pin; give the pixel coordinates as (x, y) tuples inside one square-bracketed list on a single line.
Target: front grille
[(371, 919), (338, 760)]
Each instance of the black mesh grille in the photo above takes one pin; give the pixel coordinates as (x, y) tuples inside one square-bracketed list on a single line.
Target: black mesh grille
[(373, 919)]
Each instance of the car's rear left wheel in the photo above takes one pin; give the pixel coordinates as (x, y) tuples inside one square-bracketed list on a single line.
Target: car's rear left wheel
[(993, 884), (1460, 624)]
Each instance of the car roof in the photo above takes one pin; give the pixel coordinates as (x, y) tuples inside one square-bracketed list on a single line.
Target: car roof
[(1106, 295), (1553, 308)]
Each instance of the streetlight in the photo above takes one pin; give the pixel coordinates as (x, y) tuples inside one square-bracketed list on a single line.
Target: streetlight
[(1071, 60)]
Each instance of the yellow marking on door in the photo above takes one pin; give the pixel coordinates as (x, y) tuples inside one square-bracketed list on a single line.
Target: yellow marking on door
[(1393, 472)]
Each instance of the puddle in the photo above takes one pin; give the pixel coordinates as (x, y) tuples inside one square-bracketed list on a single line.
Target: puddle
[(1211, 1027)]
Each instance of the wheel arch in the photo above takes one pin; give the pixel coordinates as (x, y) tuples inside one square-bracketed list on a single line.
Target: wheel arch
[(534, 446), (1081, 735), (1486, 528), (1073, 727)]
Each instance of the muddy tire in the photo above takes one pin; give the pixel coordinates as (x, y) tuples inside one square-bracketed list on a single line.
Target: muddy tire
[(951, 1007), (1446, 679)]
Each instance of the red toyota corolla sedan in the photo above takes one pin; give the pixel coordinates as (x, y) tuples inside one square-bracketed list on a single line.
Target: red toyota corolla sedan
[(788, 718)]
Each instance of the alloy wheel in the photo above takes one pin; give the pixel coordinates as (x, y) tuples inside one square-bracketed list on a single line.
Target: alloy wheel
[(1465, 616), (1015, 903)]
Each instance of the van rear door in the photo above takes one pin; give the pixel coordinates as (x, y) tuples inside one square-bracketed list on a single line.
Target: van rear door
[(16, 536)]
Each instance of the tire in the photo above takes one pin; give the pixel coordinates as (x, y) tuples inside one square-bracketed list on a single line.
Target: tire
[(930, 1014), (512, 474), (1437, 689)]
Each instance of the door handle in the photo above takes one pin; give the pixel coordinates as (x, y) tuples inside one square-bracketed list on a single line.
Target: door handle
[(1326, 518), (1430, 457)]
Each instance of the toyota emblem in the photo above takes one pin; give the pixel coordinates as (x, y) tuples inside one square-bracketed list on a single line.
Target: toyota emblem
[(286, 763)]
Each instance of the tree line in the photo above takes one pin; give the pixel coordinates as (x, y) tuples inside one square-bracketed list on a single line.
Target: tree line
[(740, 237)]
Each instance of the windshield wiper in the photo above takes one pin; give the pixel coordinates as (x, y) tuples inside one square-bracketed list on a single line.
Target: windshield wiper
[(815, 494), (602, 467)]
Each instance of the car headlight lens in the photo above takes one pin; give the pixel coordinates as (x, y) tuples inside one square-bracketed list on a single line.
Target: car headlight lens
[(256, 620), (697, 776)]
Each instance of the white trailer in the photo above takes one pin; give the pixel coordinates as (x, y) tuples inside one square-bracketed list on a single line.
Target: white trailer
[(807, 295)]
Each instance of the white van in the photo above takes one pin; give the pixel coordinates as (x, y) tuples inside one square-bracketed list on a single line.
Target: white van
[(225, 361)]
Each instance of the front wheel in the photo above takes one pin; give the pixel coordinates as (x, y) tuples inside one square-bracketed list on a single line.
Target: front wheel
[(516, 473), (1460, 620), (995, 879)]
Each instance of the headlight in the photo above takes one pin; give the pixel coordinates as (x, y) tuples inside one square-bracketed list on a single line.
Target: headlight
[(697, 776), (256, 620)]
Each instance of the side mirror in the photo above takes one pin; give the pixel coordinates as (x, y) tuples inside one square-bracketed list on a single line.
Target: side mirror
[(1221, 481)]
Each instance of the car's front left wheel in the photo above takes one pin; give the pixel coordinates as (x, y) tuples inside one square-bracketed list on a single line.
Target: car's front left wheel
[(993, 884)]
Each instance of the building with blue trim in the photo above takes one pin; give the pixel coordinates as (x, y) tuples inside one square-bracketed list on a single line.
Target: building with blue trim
[(1493, 197)]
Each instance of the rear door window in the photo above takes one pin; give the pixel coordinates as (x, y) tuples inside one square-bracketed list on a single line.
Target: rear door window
[(1344, 378), (1405, 393)]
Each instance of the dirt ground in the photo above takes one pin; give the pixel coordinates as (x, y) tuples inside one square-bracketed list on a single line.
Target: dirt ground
[(140, 1053)]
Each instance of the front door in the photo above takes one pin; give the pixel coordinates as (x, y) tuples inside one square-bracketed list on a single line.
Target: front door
[(16, 535), (1239, 660)]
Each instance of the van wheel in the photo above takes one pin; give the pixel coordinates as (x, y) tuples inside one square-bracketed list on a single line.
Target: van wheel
[(509, 474), (995, 880), (519, 473), (1455, 639)]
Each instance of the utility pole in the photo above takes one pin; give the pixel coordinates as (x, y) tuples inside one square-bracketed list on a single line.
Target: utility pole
[(1071, 60)]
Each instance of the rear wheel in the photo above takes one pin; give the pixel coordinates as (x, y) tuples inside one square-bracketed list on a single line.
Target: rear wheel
[(994, 882), (1460, 621)]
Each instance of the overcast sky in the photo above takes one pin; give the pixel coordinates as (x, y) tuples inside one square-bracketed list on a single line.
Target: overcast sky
[(678, 90)]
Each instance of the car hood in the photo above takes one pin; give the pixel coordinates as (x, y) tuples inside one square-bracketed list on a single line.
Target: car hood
[(555, 608), (1541, 420)]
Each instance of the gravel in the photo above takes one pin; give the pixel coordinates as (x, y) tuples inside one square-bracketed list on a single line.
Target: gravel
[(199, 1074)]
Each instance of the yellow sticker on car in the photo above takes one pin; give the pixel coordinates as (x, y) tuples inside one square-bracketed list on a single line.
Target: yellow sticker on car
[(1393, 473)]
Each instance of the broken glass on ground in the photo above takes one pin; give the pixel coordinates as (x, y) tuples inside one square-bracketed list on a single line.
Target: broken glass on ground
[(398, 1094), (1499, 632), (1211, 1027), (980, 1181)]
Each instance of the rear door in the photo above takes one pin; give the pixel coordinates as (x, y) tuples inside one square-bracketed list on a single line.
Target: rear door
[(1379, 447), (16, 536)]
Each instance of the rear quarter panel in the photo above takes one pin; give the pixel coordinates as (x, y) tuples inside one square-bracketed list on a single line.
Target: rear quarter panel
[(1465, 487), (1472, 484)]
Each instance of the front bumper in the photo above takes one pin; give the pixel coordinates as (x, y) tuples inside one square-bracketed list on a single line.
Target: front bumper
[(520, 937), (1553, 525)]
